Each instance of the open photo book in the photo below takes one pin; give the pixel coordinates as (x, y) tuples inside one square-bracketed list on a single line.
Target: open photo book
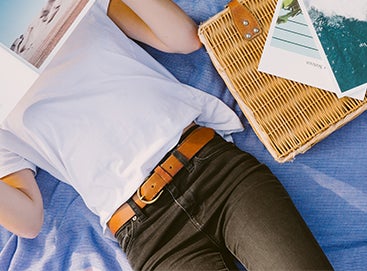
[(321, 43), (31, 32)]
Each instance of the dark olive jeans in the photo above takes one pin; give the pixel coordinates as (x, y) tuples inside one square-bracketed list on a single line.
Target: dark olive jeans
[(223, 206)]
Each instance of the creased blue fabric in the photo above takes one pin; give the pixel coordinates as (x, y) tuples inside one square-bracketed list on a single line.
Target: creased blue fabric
[(328, 185)]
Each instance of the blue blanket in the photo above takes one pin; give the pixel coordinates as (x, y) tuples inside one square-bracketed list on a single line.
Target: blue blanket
[(328, 185)]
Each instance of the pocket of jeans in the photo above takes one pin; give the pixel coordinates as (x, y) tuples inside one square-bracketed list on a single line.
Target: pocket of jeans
[(126, 235), (219, 148)]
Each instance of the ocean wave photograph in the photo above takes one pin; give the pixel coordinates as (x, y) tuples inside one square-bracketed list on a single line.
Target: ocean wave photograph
[(32, 29), (341, 27)]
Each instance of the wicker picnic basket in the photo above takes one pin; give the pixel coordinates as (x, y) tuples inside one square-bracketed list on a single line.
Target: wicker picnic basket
[(288, 117)]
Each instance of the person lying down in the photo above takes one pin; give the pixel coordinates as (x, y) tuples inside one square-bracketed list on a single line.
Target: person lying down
[(152, 157)]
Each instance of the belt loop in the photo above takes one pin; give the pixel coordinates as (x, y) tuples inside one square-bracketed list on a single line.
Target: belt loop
[(138, 211), (180, 157)]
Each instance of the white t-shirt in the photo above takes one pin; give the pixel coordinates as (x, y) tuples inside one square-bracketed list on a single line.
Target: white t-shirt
[(102, 115)]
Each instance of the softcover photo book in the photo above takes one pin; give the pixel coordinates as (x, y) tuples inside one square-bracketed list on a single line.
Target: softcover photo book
[(31, 33), (322, 43)]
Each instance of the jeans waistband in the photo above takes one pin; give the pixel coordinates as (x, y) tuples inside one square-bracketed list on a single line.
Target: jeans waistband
[(192, 141)]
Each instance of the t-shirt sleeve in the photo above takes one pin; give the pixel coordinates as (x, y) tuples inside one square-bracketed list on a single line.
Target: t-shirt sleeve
[(11, 162)]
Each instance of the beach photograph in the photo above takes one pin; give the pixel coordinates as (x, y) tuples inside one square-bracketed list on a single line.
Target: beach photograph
[(32, 29), (341, 27)]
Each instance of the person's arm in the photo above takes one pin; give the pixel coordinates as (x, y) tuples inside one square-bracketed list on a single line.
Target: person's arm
[(21, 205), (159, 23)]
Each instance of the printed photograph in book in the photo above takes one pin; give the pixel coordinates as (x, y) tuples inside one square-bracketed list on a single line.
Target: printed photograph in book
[(32, 29), (341, 28)]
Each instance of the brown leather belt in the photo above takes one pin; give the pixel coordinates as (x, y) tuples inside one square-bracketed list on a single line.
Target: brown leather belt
[(152, 188)]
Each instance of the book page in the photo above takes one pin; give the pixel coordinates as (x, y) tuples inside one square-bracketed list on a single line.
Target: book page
[(290, 51), (35, 29), (16, 78), (31, 33)]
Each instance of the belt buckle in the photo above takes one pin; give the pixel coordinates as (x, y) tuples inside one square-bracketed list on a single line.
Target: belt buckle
[(141, 198)]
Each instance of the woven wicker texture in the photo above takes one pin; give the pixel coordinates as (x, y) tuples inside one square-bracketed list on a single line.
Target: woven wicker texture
[(288, 117)]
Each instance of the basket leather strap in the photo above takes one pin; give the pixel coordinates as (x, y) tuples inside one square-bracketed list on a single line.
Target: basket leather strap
[(245, 22)]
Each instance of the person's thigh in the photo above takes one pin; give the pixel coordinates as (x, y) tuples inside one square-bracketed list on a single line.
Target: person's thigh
[(264, 229), (245, 208), (170, 234), (169, 239), (192, 250)]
